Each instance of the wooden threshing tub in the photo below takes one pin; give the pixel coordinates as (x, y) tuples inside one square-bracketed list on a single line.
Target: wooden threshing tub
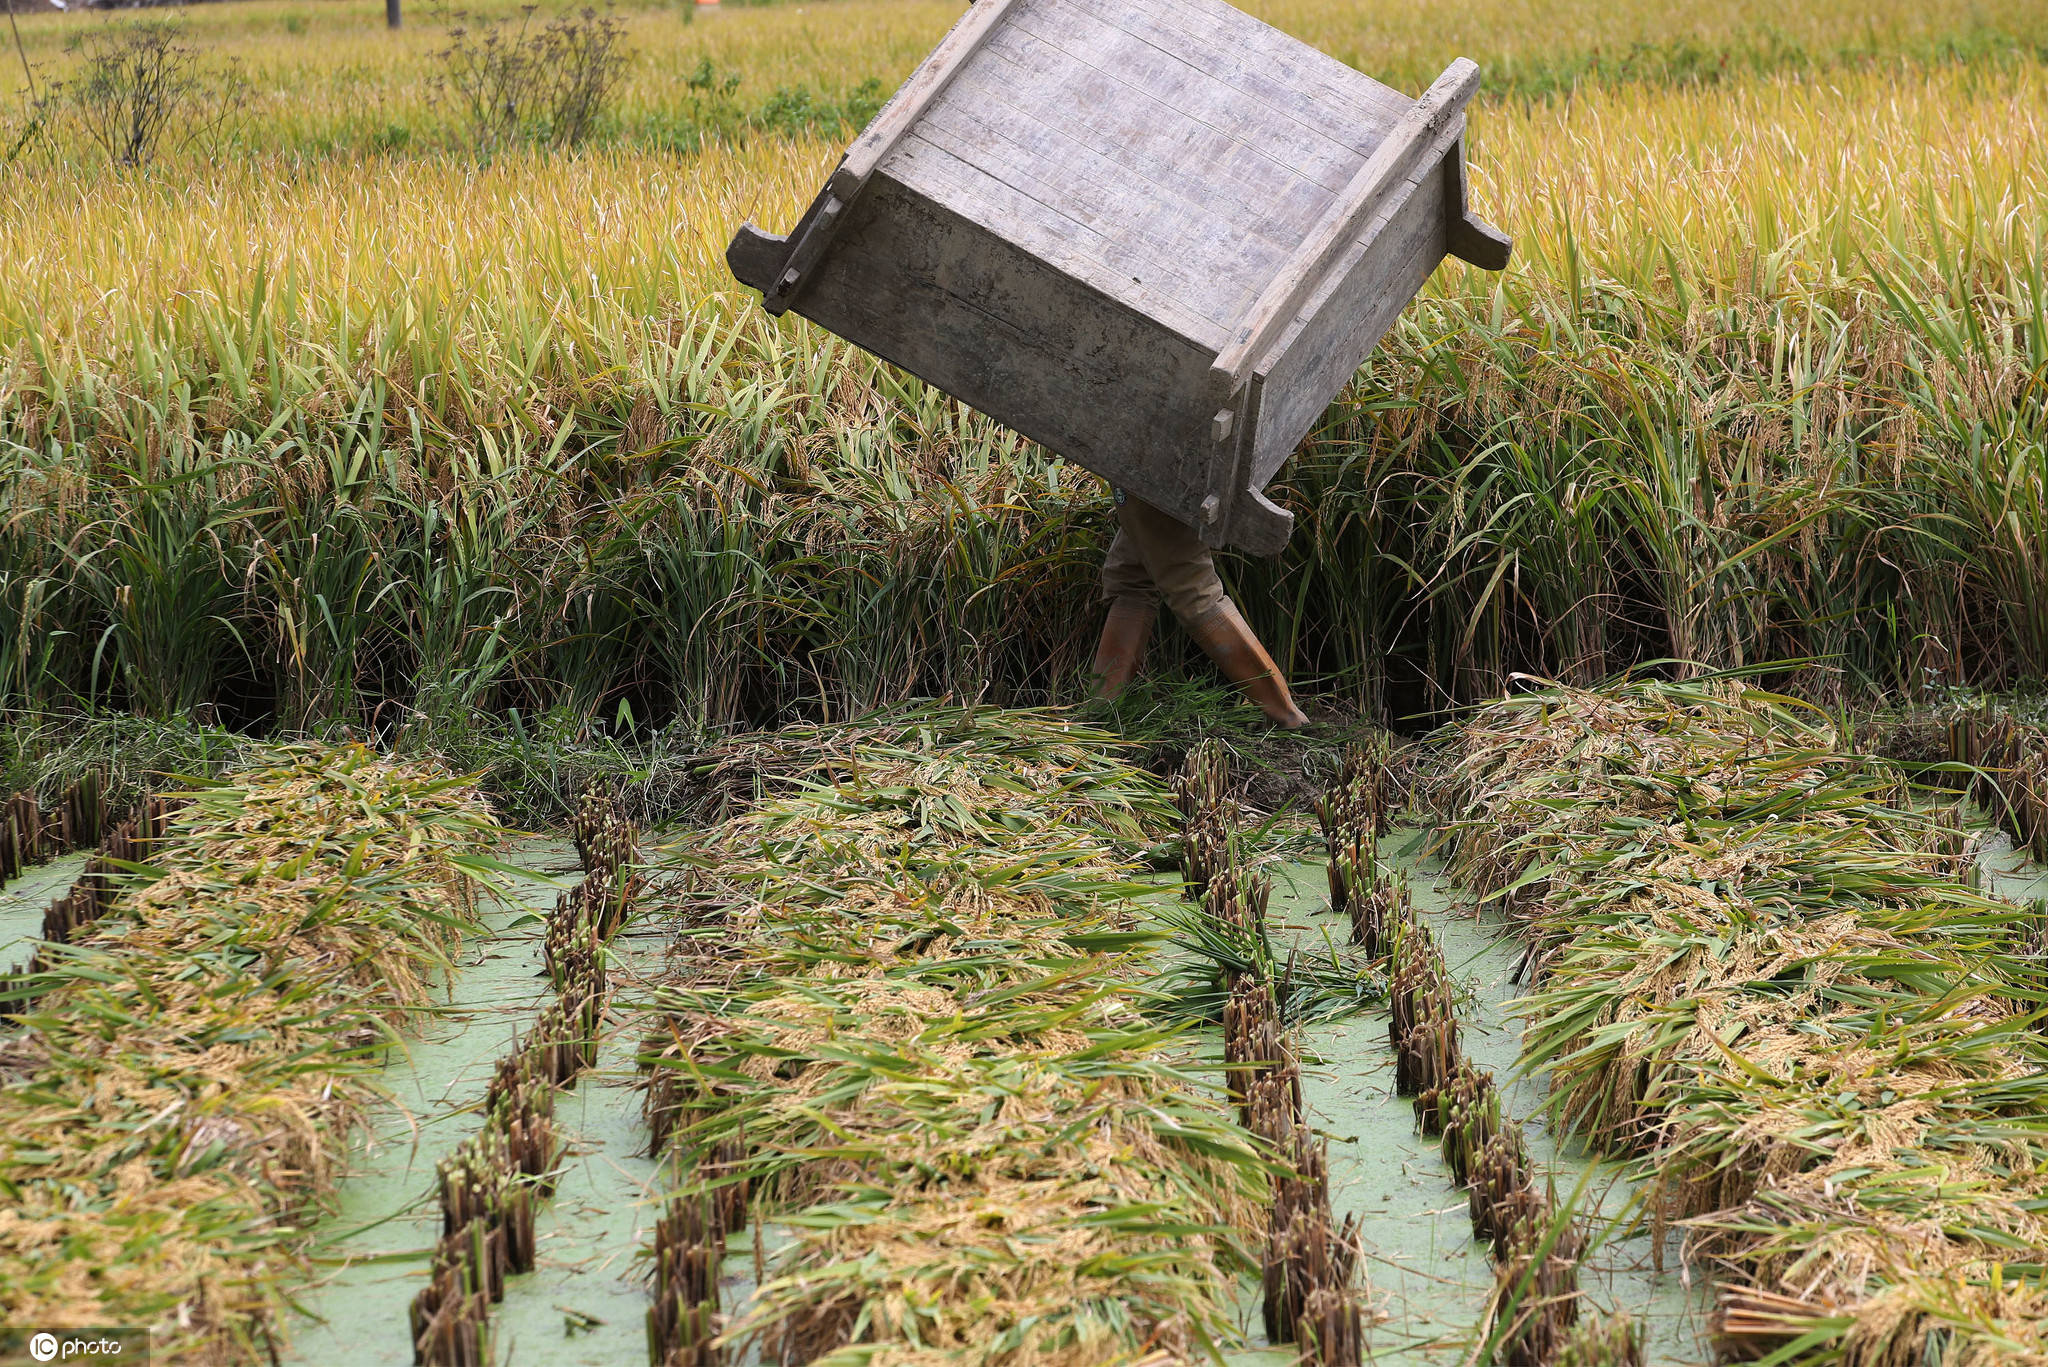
[(1156, 236)]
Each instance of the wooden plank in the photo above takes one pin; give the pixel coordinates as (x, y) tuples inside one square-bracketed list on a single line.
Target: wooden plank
[(754, 257), (1280, 71), (813, 235), (1166, 130), (1472, 238), (1475, 240), (760, 259), (1373, 282), (1382, 175), (1015, 336), (1256, 524), (1075, 247), (927, 83), (1230, 438), (1135, 267), (1164, 242), (806, 244), (1175, 92), (1153, 151)]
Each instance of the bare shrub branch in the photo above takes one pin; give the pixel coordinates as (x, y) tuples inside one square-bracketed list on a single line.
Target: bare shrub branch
[(516, 83), (141, 83)]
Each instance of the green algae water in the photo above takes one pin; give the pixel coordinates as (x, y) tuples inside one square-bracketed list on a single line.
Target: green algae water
[(1430, 1279), (586, 1301), (23, 900), (373, 1248), (2008, 872)]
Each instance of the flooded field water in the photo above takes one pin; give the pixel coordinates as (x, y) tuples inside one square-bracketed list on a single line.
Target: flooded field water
[(586, 1302)]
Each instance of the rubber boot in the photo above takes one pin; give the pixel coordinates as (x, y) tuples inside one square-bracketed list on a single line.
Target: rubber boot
[(1222, 634), (1122, 647)]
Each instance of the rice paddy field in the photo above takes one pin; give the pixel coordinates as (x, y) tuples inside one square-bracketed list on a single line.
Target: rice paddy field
[(548, 817), (335, 422)]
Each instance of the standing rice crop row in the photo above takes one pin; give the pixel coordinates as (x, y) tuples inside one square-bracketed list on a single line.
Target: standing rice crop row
[(176, 1105), (490, 1186), (29, 835), (1310, 1269), (373, 438), (2010, 754), (1534, 1318), (1765, 975), (909, 1038)]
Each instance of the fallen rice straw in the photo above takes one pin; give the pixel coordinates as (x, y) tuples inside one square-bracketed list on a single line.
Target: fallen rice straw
[(202, 1052)]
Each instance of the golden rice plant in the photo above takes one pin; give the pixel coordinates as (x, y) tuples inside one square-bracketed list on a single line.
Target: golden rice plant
[(396, 432), (476, 292)]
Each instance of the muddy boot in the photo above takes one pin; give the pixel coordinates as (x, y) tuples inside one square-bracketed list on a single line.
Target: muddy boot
[(1122, 648), (1223, 636)]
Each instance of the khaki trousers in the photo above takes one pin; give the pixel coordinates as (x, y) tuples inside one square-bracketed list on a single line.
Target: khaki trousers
[(1154, 557)]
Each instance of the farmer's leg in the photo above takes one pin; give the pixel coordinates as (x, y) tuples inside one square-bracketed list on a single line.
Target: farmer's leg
[(1184, 572), (1124, 574), (1133, 606), (1175, 561)]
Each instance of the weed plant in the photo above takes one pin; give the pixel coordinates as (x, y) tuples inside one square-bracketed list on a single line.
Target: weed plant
[(546, 83)]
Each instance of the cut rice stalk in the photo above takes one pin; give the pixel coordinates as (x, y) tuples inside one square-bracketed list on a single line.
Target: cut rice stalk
[(1784, 992), (925, 1049), (29, 835), (489, 1187)]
